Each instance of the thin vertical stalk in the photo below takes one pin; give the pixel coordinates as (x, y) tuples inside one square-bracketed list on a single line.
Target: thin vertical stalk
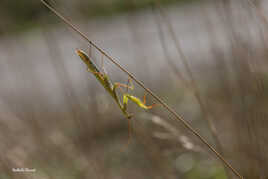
[(171, 64), (204, 111)]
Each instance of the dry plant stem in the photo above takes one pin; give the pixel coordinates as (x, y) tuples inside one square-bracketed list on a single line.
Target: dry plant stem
[(219, 62), (172, 111), (165, 51), (258, 11), (192, 84), (252, 114)]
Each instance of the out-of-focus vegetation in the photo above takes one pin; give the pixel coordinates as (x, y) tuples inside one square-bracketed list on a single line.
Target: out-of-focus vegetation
[(16, 16), (56, 118)]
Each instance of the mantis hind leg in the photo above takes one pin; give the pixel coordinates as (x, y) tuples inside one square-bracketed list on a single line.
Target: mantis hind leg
[(144, 102), (139, 102), (129, 129)]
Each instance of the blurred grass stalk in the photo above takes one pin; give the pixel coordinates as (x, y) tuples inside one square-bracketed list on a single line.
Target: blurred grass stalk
[(250, 85), (192, 85), (235, 101), (166, 106)]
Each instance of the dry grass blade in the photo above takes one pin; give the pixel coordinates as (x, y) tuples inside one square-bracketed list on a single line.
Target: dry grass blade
[(166, 106), (192, 84)]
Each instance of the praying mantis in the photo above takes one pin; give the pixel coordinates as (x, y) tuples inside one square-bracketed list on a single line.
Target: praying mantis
[(110, 87)]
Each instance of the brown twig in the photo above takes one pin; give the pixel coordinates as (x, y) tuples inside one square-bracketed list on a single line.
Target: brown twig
[(167, 107)]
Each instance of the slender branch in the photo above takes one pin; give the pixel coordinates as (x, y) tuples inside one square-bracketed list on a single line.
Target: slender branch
[(167, 107)]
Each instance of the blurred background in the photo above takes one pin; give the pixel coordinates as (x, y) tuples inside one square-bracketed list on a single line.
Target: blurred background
[(207, 59)]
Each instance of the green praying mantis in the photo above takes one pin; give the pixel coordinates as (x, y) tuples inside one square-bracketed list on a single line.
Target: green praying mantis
[(110, 87)]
